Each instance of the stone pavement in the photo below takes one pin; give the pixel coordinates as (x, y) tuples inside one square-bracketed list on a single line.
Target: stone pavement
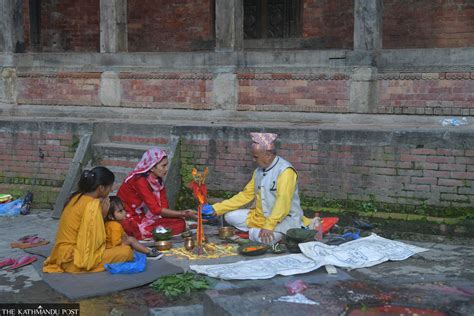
[(441, 279)]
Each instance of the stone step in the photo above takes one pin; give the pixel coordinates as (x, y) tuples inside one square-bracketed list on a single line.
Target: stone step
[(126, 151)]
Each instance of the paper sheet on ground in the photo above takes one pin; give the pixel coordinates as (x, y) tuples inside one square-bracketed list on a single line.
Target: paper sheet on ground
[(363, 252), (265, 268), (360, 253)]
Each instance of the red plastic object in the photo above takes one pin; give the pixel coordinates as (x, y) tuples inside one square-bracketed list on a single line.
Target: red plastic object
[(243, 235), (296, 286), (328, 223)]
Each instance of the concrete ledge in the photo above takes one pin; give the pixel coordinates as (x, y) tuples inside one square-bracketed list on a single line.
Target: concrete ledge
[(401, 59), (167, 117)]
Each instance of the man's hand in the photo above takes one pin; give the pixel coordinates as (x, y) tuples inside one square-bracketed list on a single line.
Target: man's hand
[(266, 236)]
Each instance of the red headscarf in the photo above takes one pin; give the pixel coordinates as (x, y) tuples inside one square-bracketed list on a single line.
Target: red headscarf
[(149, 159)]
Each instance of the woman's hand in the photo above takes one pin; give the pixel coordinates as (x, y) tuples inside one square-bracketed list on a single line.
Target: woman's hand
[(105, 205), (126, 240), (190, 213)]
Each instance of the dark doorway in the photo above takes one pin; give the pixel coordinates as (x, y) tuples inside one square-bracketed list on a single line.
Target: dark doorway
[(272, 18)]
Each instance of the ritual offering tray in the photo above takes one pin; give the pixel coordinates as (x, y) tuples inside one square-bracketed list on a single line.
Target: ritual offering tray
[(161, 233), (253, 249)]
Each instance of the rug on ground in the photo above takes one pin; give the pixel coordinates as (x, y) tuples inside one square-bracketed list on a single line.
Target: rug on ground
[(83, 285)]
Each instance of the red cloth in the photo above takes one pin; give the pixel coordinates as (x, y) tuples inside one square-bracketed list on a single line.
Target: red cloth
[(137, 196), (137, 191)]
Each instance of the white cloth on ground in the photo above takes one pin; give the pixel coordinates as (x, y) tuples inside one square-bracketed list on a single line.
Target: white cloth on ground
[(363, 252), (359, 253)]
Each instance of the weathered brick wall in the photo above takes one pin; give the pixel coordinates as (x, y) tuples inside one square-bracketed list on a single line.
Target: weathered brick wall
[(163, 25), (403, 170), (450, 93), (35, 157), (330, 23), (427, 93), (188, 25), (167, 90), (152, 90), (70, 25), (59, 88), (294, 92), (430, 170), (428, 23)]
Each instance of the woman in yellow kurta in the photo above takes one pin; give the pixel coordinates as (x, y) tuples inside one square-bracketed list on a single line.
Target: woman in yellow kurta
[(80, 240)]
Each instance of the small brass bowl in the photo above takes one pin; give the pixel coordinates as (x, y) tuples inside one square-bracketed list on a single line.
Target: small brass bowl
[(225, 232), (163, 245)]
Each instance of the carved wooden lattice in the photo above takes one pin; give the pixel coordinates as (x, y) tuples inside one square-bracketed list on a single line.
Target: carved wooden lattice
[(272, 18)]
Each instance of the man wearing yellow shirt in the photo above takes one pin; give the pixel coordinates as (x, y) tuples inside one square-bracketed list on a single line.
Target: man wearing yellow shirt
[(273, 191)]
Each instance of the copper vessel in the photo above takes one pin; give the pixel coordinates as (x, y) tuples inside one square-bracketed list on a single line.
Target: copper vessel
[(225, 232), (188, 243)]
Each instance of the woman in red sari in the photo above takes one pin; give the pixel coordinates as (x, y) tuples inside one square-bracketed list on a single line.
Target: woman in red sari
[(144, 197)]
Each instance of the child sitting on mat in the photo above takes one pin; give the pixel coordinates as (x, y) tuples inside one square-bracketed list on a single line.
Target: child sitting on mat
[(115, 234)]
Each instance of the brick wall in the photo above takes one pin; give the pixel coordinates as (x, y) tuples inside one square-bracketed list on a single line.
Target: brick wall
[(152, 90), (34, 158), (70, 25), (167, 90), (431, 170), (59, 88), (188, 25), (402, 170), (398, 93), (294, 92), (330, 23), (162, 25), (427, 93), (428, 23)]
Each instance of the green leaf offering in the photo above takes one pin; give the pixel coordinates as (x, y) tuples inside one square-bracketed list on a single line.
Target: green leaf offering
[(173, 286)]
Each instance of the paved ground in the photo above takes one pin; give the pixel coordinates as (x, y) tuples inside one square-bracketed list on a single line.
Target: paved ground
[(441, 279)]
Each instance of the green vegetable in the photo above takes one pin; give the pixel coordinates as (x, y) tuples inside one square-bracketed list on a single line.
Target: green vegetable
[(173, 286)]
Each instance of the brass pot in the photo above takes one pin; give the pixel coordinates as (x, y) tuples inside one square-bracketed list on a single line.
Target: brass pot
[(225, 232), (163, 245), (188, 243)]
